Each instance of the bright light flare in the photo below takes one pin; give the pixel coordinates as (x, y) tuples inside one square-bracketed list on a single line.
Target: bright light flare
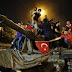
[(42, 12)]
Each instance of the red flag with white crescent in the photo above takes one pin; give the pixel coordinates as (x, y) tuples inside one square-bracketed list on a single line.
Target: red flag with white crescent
[(43, 46)]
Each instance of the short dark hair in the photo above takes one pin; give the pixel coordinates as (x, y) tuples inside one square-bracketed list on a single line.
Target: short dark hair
[(28, 21), (35, 7), (51, 20), (45, 15), (68, 19), (57, 22), (45, 20), (39, 10), (41, 21)]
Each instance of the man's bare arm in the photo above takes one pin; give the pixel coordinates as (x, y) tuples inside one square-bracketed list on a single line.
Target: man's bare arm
[(69, 30), (57, 31), (55, 39)]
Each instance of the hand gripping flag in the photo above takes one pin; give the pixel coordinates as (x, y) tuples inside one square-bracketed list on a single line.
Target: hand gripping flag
[(43, 46)]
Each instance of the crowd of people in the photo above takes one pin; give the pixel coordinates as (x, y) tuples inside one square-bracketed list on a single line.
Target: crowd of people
[(51, 30), (48, 29)]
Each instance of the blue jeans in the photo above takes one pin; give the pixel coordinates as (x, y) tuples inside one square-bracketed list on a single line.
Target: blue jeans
[(19, 41), (68, 43), (66, 40)]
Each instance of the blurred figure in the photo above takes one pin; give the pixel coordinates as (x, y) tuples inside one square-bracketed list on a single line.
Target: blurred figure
[(57, 33), (37, 20), (39, 15), (19, 24), (46, 28), (19, 37), (52, 23), (46, 19), (39, 31), (32, 14), (56, 29), (29, 26), (67, 38), (29, 23), (63, 29), (36, 17), (68, 26), (47, 32), (35, 11), (22, 22)]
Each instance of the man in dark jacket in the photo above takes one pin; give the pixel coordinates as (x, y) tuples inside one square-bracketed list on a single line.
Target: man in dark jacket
[(47, 32)]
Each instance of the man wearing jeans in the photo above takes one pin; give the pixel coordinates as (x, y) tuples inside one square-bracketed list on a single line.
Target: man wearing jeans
[(19, 37)]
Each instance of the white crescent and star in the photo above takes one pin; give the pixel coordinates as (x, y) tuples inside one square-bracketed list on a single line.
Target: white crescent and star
[(45, 45)]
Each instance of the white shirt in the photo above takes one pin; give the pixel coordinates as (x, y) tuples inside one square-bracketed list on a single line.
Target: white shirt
[(35, 25)]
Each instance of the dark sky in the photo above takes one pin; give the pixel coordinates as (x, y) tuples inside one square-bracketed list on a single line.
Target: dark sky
[(19, 10)]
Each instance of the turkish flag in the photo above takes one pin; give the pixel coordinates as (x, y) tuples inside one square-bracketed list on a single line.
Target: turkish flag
[(43, 46)]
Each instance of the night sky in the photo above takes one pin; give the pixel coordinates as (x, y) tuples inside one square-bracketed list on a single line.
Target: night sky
[(19, 10)]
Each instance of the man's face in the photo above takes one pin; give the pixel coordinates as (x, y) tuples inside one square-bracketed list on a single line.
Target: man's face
[(22, 26), (45, 16), (65, 32), (68, 22), (59, 23), (27, 22), (19, 24), (35, 9), (39, 11)]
